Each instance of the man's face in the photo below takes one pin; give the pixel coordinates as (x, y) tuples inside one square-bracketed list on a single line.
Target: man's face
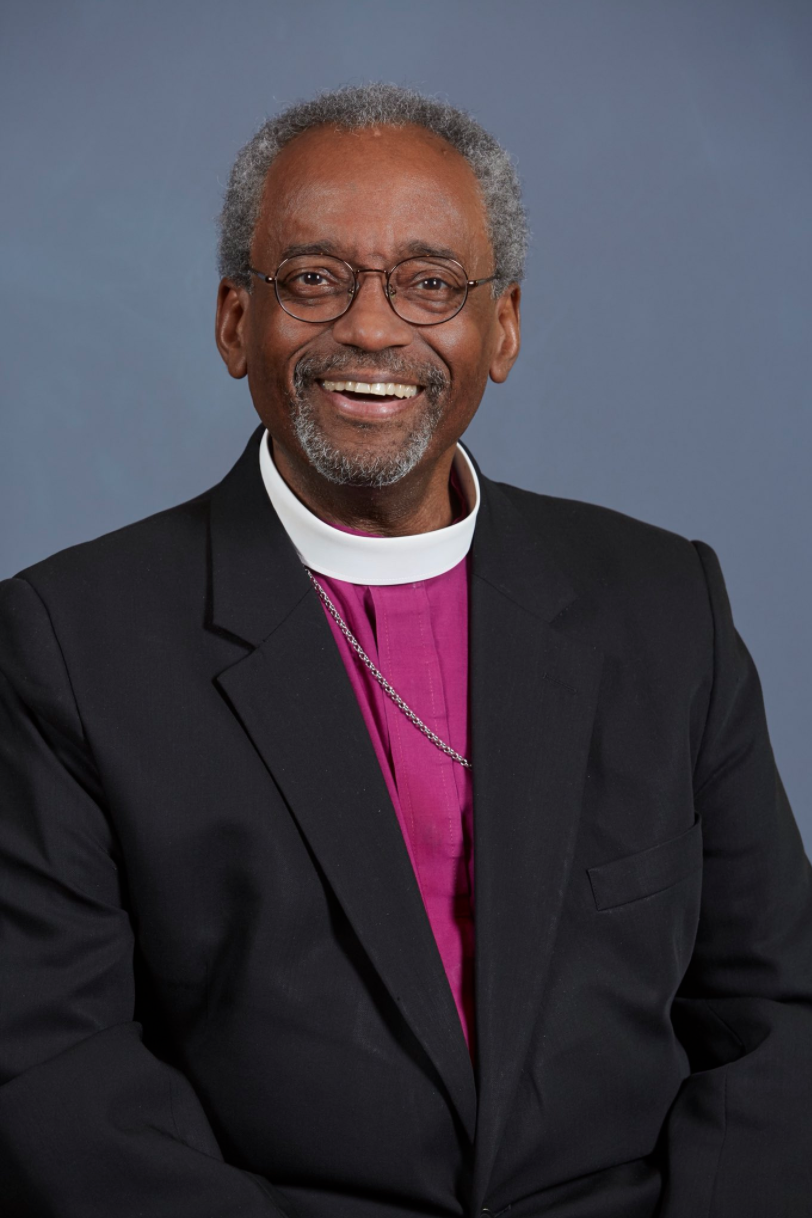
[(371, 197)]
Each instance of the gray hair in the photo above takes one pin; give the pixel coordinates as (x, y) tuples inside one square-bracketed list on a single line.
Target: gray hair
[(355, 107)]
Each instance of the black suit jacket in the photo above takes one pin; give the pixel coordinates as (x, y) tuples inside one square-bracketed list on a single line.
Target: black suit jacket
[(219, 991)]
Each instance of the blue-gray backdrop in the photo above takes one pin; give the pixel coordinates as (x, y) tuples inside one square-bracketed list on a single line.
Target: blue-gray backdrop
[(665, 151)]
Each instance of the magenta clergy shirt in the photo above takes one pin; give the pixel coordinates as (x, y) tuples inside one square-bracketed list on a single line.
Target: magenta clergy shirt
[(417, 635)]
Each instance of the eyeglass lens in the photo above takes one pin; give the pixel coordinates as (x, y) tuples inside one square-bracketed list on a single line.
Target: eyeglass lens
[(421, 290)]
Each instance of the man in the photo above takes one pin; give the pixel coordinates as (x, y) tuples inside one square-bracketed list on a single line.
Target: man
[(297, 921)]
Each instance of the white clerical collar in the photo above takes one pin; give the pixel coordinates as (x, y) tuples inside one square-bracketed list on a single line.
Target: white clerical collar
[(372, 560)]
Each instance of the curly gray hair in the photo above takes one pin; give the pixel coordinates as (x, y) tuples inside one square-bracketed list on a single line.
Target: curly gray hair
[(354, 107)]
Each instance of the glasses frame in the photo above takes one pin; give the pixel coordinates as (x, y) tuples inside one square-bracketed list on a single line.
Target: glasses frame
[(352, 293)]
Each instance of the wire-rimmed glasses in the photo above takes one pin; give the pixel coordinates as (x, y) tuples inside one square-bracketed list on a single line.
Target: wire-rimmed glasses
[(319, 288)]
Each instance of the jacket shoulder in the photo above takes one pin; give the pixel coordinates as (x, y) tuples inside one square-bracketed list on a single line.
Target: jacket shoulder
[(639, 589), (601, 545), (166, 541)]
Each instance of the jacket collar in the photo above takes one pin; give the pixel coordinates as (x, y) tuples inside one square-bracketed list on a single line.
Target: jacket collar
[(256, 576)]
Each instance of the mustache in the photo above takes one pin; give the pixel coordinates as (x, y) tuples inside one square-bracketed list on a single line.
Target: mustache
[(311, 368)]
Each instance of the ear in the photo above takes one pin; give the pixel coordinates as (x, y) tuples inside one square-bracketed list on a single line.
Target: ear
[(230, 326), (508, 333)]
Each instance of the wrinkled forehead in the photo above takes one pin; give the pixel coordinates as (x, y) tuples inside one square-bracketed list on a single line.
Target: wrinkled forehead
[(373, 193)]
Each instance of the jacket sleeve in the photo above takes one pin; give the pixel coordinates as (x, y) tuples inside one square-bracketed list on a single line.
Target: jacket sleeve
[(738, 1140), (91, 1122)]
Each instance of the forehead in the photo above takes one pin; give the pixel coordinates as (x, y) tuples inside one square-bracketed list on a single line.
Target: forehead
[(372, 193)]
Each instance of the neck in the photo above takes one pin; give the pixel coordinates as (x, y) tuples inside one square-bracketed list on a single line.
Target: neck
[(419, 503)]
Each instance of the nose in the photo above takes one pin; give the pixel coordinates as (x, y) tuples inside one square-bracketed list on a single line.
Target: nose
[(371, 323)]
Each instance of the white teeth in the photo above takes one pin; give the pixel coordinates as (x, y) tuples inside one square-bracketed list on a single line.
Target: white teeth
[(380, 388)]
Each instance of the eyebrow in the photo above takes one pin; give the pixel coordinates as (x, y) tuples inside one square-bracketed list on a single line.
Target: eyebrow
[(416, 249), (313, 247), (413, 249)]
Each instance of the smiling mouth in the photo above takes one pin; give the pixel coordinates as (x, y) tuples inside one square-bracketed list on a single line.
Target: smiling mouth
[(372, 391)]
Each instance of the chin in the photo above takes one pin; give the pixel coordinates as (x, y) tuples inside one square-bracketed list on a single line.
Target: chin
[(363, 465), (366, 452)]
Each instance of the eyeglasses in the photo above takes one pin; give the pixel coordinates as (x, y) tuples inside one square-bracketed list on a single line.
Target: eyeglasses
[(422, 291)]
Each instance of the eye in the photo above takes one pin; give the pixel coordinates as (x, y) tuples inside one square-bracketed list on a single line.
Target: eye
[(432, 283), (310, 281)]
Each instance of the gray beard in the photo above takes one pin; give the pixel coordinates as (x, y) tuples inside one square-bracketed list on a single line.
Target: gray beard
[(364, 468)]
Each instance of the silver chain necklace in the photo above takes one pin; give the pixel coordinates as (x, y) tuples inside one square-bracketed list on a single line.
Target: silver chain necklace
[(381, 679)]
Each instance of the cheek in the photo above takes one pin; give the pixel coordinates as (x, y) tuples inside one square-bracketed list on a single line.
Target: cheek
[(466, 355), (275, 342), (467, 362)]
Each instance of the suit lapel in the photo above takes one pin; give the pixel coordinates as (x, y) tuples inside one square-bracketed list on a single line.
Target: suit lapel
[(533, 696), (292, 696)]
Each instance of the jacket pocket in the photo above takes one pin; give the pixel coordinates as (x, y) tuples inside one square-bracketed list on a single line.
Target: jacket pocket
[(648, 872)]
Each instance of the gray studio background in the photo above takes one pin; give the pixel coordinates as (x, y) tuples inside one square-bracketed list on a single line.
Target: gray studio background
[(666, 156)]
